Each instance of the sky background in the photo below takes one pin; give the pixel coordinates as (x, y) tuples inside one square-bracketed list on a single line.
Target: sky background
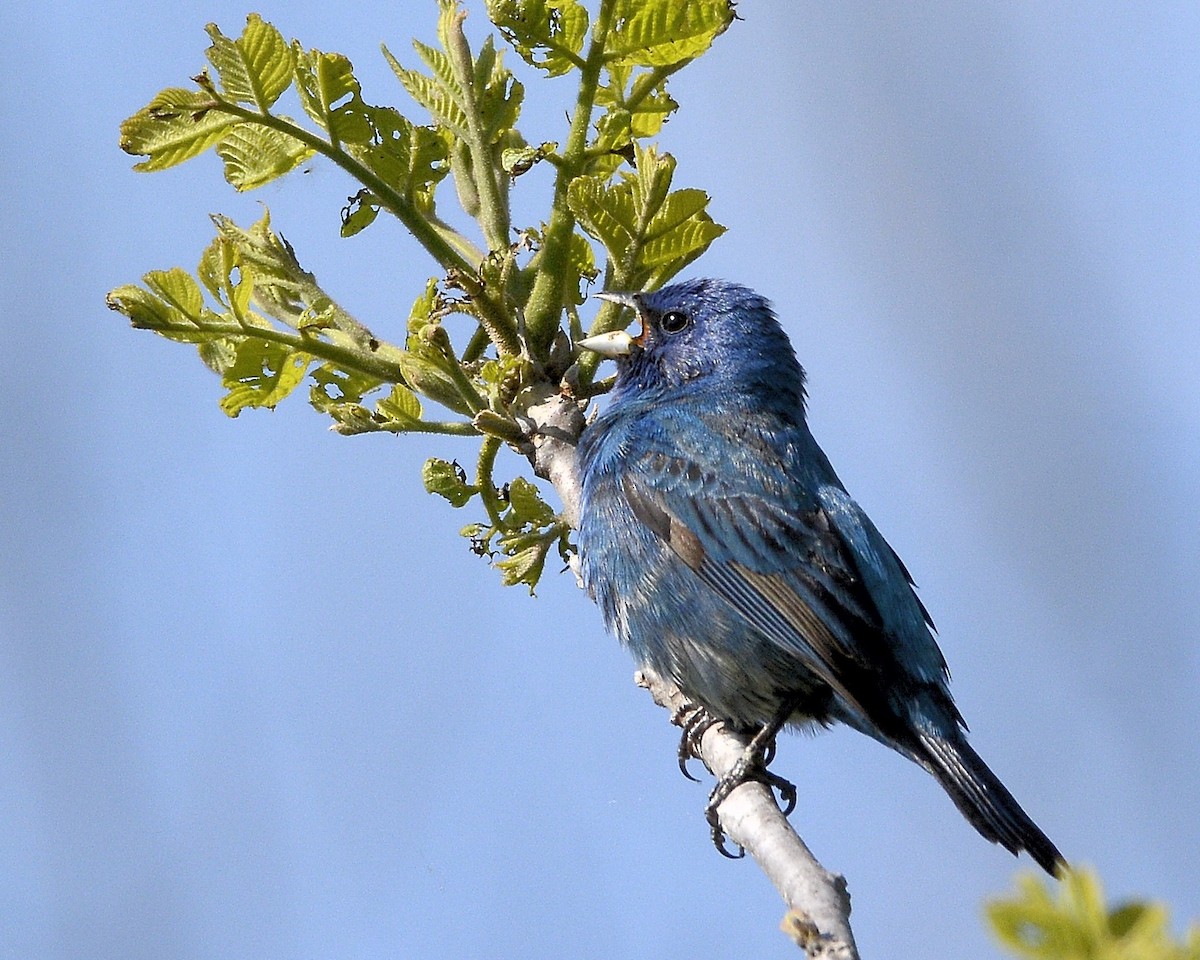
[(258, 700)]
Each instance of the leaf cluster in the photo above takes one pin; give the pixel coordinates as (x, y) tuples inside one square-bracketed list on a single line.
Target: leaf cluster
[(264, 324), (1075, 924)]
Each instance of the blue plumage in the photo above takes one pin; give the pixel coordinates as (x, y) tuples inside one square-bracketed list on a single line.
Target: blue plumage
[(725, 554)]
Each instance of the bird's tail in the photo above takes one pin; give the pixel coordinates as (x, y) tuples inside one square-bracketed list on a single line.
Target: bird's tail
[(985, 801)]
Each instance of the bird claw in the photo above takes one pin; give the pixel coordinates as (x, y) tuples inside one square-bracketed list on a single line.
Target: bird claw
[(695, 722), (750, 767)]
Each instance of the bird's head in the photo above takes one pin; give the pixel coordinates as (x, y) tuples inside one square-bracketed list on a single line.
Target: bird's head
[(704, 332)]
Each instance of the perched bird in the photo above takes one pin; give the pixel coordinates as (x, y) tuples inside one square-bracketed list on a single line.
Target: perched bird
[(726, 555)]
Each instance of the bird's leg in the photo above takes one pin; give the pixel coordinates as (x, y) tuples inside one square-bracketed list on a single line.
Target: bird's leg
[(695, 722), (752, 766)]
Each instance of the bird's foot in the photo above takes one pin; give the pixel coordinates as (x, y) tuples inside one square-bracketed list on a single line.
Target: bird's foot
[(695, 723), (750, 767)]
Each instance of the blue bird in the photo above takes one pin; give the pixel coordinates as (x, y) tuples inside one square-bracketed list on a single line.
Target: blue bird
[(725, 554)]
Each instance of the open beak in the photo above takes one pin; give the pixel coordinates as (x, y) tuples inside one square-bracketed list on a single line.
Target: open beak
[(617, 343)]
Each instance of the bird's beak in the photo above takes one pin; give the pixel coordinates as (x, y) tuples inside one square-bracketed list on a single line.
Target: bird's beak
[(629, 300), (618, 343)]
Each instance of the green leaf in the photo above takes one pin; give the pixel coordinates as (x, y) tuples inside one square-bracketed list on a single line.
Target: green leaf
[(145, 310), (447, 479), (650, 234), (176, 288), (582, 260), (547, 34), (255, 155), (523, 566), (412, 159), (218, 354), (262, 374), (256, 68), (498, 95), (359, 213), (333, 385), (330, 94), (440, 94), (400, 406), (1072, 923), (269, 269), (636, 107), (666, 32), (175, 126), (527, 503)]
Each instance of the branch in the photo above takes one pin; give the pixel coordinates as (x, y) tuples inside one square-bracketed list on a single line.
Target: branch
[(819, 905)]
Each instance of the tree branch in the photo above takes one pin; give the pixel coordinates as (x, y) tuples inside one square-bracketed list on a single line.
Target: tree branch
[(819, 905)]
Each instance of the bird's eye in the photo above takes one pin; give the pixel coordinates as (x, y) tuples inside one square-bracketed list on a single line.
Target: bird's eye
[(674, 321)]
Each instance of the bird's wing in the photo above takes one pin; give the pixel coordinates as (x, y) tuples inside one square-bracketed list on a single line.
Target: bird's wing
[(813, 575)]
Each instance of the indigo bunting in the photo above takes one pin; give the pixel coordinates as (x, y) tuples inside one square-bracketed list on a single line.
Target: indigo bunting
[(725, 554)]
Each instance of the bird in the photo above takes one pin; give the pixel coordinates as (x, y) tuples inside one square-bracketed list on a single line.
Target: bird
[(726, 555)]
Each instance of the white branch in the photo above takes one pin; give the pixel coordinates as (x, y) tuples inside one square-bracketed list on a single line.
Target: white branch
[(818, 917), (819, 905)]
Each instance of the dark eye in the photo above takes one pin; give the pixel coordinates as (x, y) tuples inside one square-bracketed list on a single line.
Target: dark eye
[(674, 321)]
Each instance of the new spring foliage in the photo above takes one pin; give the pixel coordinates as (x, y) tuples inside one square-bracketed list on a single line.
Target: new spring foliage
[(264, 324)]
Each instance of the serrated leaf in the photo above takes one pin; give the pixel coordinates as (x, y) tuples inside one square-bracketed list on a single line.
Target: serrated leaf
[(547, 34), (527, 503), (498, 94), (217, 262), (412, 159), (218, 354), (401, 405), (582, 257), (523, 566), (438, 60), (262, 374), (270, 271), (440, 94), (175, 126), (256, 68), (650, 233), (333, 385), (176, 288), (255, 155), (447, 479), (662, 33), (330, 94), (634, 109), (144, 310)]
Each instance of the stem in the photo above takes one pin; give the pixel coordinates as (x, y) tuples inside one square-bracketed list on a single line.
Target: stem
[(483, 480), (493, 214), (475, 346), (546, 300), (454, 428), (345, 357), (465, 387)]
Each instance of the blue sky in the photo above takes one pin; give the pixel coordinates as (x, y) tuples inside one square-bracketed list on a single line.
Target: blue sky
[(258, 700)]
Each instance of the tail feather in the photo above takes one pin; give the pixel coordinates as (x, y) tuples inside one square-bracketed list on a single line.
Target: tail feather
[(985, 801)]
